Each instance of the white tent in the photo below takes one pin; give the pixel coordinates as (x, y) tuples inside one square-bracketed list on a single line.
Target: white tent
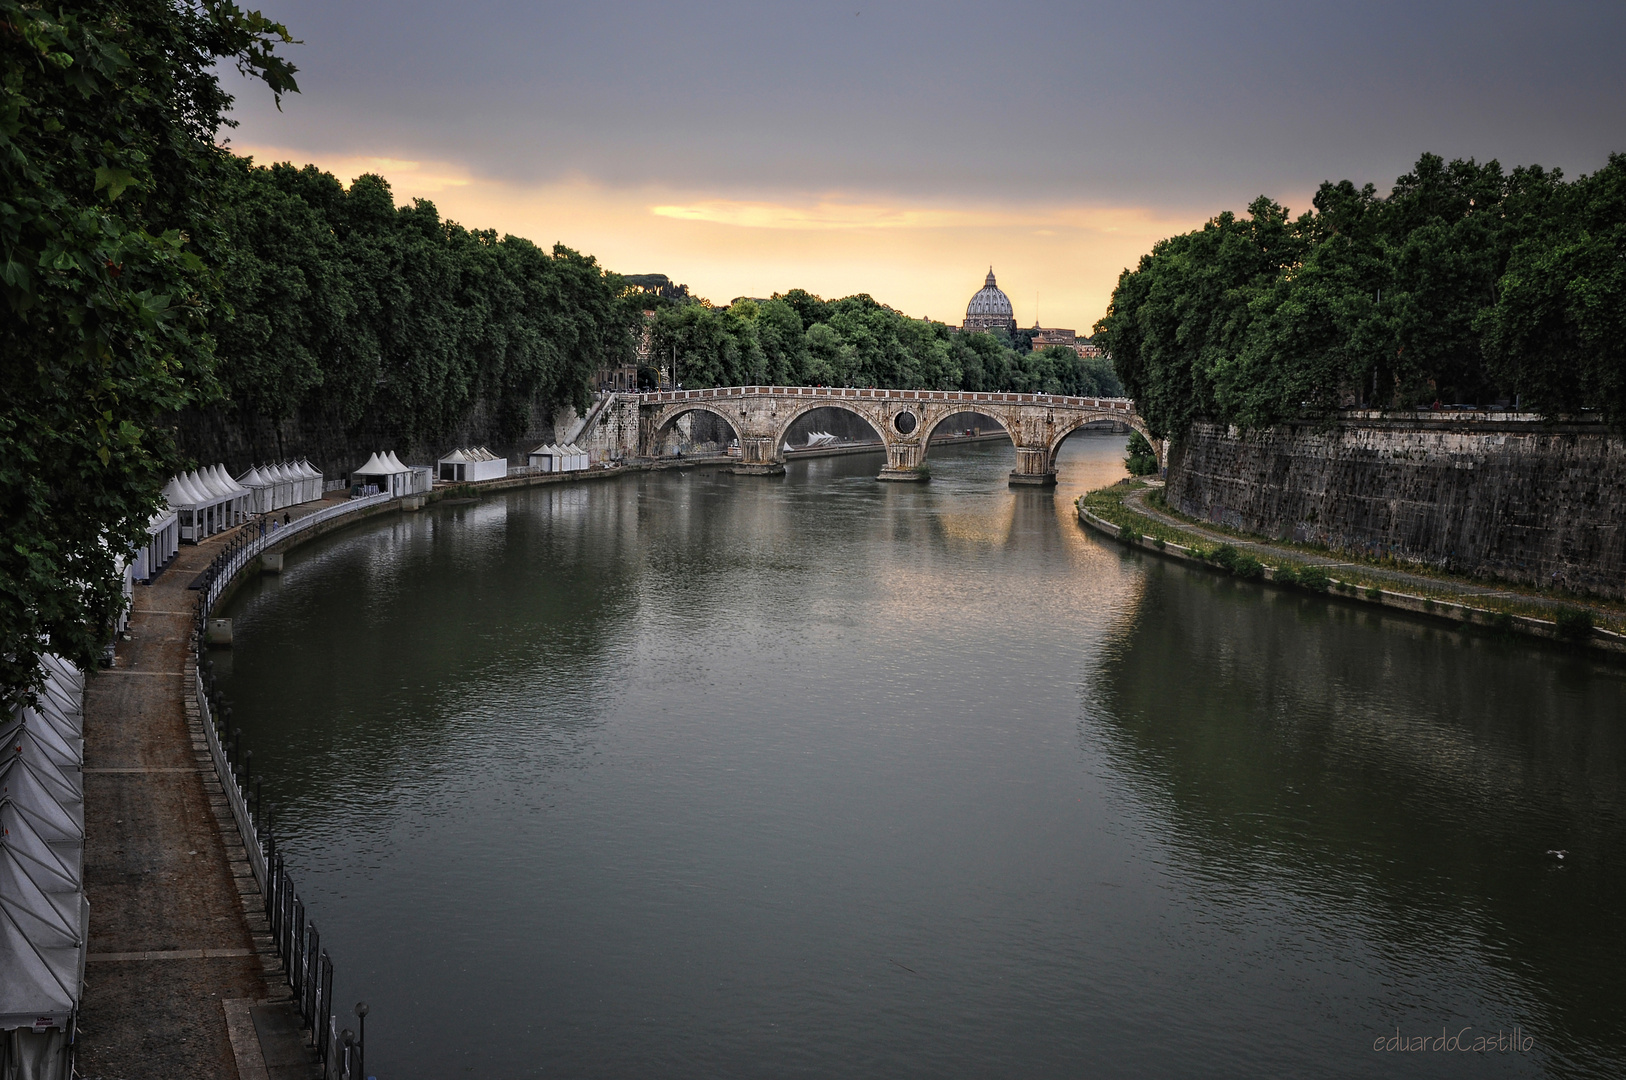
[(285, 493), (201, 505), (44, 918), (385, 472), (310, 479), (545, 457), (259, 487), (238, 508), (419, 478), (471, 463), (163, 541), (276, 486), (288, 484)]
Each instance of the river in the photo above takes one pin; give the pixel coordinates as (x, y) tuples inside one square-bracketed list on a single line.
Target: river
[(696, 775)]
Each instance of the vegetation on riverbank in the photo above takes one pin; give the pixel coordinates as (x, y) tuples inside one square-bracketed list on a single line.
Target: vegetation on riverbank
[(340, 298), (798, 339), (110, 240), (1573, 617), (1466, 284)]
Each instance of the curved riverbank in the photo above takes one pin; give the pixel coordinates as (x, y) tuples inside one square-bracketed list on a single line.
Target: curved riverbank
[(1122, 513)]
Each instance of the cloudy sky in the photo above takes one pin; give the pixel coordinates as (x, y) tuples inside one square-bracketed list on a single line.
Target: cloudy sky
[(900, 148)]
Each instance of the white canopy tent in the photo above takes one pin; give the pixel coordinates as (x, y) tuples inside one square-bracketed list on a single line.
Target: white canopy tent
[(471, 464), (550, 458), (163, 541), (295, 481), (206, 502), (310, 479), (44, 917), (262, 487), (383, 473), (277, 486), (545, 457)]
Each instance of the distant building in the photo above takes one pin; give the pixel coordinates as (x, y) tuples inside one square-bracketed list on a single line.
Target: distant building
[(1053, 336), (1043, 338), (989, 309)]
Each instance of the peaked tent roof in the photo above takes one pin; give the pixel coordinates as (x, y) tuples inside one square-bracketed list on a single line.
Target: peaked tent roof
[(206, 485), (185, 493), (375, 467)]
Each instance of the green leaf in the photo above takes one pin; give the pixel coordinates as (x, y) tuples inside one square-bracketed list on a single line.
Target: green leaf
[(115, 181)]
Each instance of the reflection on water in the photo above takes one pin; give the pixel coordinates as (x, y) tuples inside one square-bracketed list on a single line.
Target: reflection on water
[(699, 775)]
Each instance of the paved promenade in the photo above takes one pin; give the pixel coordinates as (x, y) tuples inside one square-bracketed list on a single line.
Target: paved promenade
[(181, 980)]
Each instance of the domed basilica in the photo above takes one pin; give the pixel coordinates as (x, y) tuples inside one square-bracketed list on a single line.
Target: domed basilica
[(990, 308)]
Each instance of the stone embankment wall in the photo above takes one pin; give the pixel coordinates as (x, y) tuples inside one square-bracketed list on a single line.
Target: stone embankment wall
[(1500, 496)]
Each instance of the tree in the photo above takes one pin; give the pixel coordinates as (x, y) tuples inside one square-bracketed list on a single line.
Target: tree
[(1142, 459), (1465, 284), (1556, 335), (109, 184), (396, 317)]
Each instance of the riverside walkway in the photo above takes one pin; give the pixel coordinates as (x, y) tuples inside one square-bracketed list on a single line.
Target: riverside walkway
[(181, 978)]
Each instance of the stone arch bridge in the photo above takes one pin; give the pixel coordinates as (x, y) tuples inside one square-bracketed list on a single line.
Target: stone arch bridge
[(635, 425)]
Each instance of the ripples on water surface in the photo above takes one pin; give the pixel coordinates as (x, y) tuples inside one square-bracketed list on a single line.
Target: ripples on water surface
[(700, 775)]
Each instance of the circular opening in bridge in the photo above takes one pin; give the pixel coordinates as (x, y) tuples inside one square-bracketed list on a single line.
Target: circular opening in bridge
[(905, 422)]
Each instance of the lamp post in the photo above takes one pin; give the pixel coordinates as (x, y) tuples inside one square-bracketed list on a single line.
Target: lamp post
[(361, 1039)]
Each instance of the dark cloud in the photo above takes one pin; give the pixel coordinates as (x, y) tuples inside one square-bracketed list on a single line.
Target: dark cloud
[(1188, 104)]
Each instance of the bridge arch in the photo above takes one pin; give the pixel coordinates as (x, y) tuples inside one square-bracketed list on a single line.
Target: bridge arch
[(782, 432), (1074, 423), (671, 414), (929, 428)]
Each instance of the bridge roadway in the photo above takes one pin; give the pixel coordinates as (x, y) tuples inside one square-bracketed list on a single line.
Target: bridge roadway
[(637, 425)]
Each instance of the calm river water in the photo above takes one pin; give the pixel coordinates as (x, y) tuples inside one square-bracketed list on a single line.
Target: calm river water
[(695, 775)]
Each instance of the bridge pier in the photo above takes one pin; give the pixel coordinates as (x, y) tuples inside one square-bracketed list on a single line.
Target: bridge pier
[(757, 458), (1033, 468), (902, 462)]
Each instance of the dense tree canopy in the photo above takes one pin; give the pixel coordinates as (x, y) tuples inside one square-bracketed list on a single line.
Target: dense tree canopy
[(393, 314), (1465, 285), (798, 339), (109, 185)]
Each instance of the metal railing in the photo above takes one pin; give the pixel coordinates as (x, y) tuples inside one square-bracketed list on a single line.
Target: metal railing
[(306, 965), (248, 544), (967, 397)]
